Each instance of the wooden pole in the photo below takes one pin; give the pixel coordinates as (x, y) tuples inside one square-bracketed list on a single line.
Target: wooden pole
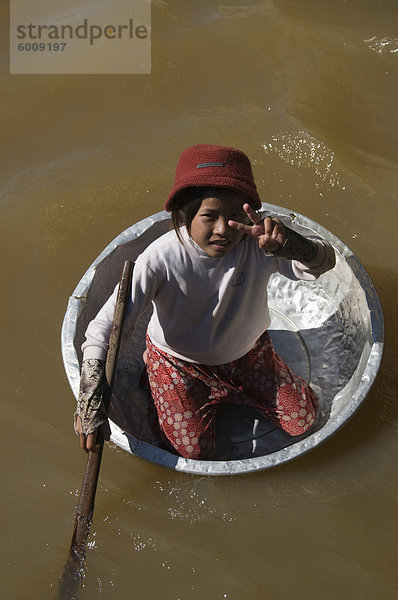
[(69, 583)]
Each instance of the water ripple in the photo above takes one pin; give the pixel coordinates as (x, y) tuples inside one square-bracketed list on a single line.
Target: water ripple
[(387, 44), (303, 150)]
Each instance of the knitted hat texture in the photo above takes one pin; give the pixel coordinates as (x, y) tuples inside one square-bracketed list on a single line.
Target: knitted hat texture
[(207, 165)]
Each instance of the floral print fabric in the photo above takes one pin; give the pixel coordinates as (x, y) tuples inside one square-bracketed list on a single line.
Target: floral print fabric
[(187, 395)]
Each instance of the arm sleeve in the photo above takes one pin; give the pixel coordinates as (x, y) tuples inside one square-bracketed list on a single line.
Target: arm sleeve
[(143, 291), (90, 407), (324, 260)]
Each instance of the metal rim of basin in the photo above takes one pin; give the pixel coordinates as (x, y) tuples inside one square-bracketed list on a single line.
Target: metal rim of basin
[(240, 466)]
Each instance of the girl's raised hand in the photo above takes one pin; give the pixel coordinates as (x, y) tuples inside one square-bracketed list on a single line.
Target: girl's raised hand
[(269, 232)]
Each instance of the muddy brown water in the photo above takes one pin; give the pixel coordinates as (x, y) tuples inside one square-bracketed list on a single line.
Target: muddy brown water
[(309, 90)]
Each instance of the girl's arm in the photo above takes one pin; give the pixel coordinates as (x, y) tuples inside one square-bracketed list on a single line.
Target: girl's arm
[(143, 291), (309, 255), (90, 412), (296, 247)]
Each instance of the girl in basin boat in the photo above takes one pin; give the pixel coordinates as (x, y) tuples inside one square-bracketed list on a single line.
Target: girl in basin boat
[(207, 339)]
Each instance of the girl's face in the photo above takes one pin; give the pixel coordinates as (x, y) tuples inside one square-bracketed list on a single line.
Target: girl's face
[(209, 227)]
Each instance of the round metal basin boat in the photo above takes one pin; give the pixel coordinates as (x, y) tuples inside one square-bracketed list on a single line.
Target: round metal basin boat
[(329, 331)]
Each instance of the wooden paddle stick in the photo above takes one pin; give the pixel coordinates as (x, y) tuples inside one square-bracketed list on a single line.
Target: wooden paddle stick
[(73, 571)]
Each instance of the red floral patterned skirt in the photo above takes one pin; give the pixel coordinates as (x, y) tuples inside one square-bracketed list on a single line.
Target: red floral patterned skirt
[(187, 395)]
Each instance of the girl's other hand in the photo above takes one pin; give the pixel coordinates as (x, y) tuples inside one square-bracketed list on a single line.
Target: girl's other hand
[(87, 442), (269, 232)]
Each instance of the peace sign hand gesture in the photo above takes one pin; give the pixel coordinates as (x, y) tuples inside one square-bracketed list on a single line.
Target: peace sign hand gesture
[(269, 232)]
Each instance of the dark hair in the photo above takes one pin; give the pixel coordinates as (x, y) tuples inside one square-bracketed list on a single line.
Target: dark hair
[(185, 206)]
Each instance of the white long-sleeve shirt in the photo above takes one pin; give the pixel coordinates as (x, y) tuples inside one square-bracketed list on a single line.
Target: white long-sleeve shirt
[(205, 310)]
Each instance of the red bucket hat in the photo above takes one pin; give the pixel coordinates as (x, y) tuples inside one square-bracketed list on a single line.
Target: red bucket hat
[(206, 165)]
